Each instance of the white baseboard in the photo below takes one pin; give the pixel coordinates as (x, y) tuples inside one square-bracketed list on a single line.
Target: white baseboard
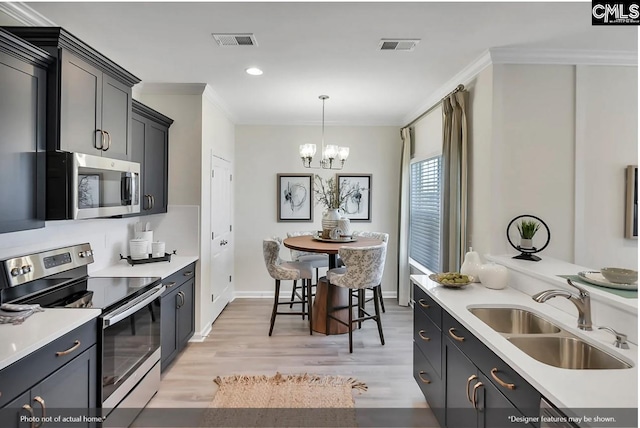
[(200, 336)]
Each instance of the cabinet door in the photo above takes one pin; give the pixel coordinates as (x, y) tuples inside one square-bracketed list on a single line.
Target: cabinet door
[(22, 174), (11, 413), (116, 116), (494, 410), (461, 375), (168, 340), (80, 101), (186, 322), (156, 165)]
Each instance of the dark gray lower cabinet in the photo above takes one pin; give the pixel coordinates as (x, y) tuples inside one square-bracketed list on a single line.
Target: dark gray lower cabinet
[(464, 382), (178, 313), (23, 84), (70, 382)]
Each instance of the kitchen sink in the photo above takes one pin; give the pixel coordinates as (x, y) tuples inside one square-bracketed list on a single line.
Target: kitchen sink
[(567, 352), (514, 321)]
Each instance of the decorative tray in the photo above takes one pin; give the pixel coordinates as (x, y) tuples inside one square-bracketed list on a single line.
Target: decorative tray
[(596, 278), (165, 258), (345, 239), (434, 277)]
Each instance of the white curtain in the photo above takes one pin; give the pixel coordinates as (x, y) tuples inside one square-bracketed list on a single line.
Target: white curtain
[(454, 179), (404, 285)]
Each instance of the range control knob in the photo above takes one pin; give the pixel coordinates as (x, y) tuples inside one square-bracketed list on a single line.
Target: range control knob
[(26, 268), (16, 271)]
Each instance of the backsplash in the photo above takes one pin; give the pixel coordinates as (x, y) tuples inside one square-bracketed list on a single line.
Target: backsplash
[(108, 237)]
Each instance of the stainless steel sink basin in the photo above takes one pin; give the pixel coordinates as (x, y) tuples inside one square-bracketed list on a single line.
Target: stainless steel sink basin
[(514, 321), (567, 353)]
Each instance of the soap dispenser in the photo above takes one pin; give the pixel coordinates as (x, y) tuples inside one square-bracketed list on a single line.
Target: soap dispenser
[(471, 265)]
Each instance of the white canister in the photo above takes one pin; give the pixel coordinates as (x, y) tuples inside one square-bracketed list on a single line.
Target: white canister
[(157, 249), (494, 276), (344, 224), (471, 265), (147, 236), (138, 249)]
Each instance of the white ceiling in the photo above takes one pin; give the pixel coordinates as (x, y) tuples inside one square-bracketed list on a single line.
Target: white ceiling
[(307, 49)]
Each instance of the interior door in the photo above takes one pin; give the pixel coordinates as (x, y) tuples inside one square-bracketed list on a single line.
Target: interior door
[(221, 235)]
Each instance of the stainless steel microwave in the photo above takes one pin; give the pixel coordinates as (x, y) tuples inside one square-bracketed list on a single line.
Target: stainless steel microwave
[(84, 186)]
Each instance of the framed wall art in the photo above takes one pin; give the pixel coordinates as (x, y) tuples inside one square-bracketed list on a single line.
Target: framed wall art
[(295, 197), (631, 212), (357, 206)]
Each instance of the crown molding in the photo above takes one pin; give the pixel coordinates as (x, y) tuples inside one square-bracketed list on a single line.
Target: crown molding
[(211, 95), (465, 76), (25, 15), (170, 88), (563, 57)]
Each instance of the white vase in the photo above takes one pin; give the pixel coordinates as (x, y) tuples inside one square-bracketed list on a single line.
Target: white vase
[(494, 276), (526, 244), (471, 265), (344, 224), (329, 222)]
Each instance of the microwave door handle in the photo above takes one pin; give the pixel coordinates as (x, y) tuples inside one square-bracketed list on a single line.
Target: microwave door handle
[(133, 307), (125, 189)]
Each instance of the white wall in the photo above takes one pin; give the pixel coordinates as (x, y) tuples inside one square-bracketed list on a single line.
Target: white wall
[(606, 142), (264, 151)]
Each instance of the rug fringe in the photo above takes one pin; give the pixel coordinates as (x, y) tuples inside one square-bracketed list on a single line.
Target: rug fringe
[(279, 378)]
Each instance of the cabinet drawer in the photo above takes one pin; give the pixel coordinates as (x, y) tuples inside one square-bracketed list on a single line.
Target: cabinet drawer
[(178, 278), (507, 381), (28, 371), (427, 305), (430, 383), (428, 338)]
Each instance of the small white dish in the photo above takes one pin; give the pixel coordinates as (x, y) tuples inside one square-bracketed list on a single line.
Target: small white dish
[(596, 278)]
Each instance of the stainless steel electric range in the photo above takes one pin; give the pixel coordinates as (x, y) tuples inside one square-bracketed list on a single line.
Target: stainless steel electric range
[(129, 336)]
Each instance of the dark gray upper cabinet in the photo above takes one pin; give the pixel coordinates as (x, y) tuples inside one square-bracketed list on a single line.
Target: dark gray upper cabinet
[(150, 147), (23, 83), (89, 96)]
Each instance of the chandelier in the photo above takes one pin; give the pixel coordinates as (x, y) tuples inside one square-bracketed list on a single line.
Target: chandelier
[(330, 153)]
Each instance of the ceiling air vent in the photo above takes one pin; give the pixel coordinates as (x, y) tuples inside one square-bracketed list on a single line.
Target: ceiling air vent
[(398, 44), (245, 39)]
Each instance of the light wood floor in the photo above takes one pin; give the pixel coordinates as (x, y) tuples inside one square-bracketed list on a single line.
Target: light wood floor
[(239, 344)]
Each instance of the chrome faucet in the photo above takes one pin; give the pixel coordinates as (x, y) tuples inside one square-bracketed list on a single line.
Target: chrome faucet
[(581, 300)]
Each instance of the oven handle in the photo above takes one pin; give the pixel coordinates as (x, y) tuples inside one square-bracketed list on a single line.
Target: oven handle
[(133, 307)]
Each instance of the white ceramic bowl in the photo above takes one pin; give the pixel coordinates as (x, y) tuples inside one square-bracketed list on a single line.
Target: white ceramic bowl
[(619, 275)]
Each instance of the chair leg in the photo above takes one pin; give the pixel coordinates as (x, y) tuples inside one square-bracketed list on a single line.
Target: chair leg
[(376, 300), (309, 305), (293, 292), (351, 319), (303, 285), (381, 300), (361, 300), (275, 306)]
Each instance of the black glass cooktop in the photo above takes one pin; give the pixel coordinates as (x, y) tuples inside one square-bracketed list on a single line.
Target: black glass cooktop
[(96, 292)]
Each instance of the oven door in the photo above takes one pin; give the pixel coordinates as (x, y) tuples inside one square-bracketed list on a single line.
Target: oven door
[(130, 345)]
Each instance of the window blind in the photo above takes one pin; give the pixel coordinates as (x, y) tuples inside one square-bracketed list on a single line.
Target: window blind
[(425, 213)]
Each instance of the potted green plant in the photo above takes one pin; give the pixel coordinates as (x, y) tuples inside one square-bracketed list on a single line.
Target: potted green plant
[(527, 230)]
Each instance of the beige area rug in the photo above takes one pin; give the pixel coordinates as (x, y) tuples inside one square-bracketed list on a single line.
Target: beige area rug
[(304, 400)]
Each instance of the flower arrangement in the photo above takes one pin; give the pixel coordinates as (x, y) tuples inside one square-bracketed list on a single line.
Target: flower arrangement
[(528, 228), (329, 195)]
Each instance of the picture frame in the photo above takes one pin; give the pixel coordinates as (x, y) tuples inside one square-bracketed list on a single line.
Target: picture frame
[(358, 206), (631, 202), (295, 197), (89, 190)]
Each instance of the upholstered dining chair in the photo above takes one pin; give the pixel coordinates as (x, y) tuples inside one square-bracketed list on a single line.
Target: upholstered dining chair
[(316, 260), (281, 270), (363, 269), (384, 237)]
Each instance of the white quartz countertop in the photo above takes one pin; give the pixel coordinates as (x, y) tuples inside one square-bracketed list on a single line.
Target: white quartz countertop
[(161, 269), (567, 389), (41, 328)]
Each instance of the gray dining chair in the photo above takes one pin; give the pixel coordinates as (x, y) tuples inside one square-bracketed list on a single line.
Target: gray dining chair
[(363, 269), (281, 270)]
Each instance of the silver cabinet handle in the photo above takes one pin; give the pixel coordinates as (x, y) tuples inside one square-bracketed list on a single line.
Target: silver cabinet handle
[(108, 141), (181, 296), (170, 284), (153, 201), (188, 273), (95, 144)]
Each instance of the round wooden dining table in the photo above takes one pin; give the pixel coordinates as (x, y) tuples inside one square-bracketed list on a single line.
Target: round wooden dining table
[(339, 295)]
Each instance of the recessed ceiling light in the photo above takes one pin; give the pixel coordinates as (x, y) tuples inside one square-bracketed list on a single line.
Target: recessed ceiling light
[(254, 71)]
